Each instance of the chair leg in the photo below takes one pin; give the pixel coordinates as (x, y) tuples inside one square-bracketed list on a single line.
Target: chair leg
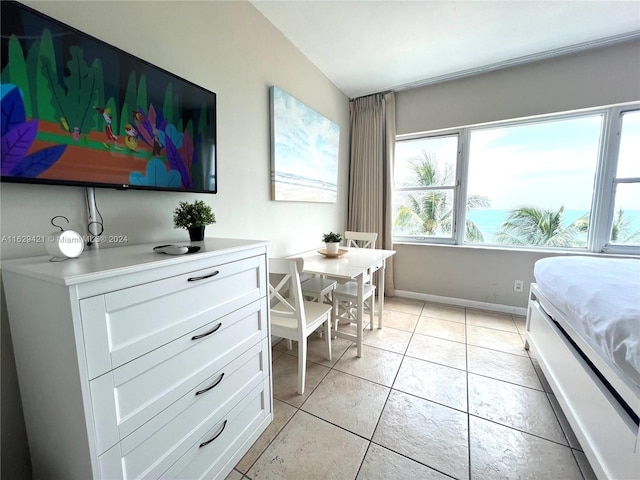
[(302, 364), (334, 314), (318, 299), (371, 311), (360, 330), (289, 344), (327, 330)]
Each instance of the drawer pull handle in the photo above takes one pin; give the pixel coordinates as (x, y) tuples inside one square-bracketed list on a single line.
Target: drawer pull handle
[(203, 277), (204, 444), (202, 335), (205, 390)]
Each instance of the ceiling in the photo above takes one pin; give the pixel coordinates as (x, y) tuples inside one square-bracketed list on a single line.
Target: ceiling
[(368, 46)]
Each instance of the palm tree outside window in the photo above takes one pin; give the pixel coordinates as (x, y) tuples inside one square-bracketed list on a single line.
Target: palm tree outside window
[(426, 188)]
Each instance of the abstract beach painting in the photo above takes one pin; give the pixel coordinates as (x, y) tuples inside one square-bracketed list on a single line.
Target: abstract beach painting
[(304, 152)]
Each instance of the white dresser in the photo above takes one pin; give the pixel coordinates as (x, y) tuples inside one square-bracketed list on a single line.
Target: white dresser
[(134, 364)]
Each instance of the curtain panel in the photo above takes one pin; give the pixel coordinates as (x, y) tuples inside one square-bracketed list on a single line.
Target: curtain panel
[(373, 133)]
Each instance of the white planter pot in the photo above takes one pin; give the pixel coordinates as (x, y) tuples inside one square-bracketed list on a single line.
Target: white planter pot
[(333, 247)]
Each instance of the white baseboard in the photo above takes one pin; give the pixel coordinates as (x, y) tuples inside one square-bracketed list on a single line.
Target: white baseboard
[(461, 302)]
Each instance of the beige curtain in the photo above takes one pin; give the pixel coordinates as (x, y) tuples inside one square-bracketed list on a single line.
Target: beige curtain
[(373, 133)]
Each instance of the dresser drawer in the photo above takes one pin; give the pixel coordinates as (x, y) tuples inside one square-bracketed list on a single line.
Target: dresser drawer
[(158, 444), (207, 460), (130, 395), (123, 325)]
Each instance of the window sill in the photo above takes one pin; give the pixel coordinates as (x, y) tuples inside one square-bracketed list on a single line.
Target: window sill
[(511, 249)]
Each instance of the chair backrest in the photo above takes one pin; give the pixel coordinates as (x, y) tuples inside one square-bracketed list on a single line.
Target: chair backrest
[(285, 297), (361, 239)]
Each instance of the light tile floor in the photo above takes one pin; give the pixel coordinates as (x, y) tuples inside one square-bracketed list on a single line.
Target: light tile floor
[(440, 392)]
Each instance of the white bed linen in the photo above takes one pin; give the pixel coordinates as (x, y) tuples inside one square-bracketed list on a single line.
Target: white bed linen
[(601, 297)]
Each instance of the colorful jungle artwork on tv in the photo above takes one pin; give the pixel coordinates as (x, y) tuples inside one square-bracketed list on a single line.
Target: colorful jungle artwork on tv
[(78, 111)]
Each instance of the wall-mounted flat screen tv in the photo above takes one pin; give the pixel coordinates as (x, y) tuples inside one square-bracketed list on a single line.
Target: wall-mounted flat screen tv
[(77, 111)]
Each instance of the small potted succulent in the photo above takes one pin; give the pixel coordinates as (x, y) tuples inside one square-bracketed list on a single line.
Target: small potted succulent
[(332, 242), (194, 217)]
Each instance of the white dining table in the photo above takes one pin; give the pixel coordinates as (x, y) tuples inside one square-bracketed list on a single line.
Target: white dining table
[(353, 265)]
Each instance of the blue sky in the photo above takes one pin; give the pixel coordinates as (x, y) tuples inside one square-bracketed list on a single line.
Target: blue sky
[(509, 165)]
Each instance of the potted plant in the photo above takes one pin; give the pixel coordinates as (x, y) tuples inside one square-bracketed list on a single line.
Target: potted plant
[(194, 217), (332, 241)]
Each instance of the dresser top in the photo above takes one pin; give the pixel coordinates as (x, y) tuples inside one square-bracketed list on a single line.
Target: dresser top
[(110, 262)]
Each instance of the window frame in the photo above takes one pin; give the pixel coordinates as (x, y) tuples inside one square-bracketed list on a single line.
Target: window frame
[(604, 188), (455, 187), (610, 181)]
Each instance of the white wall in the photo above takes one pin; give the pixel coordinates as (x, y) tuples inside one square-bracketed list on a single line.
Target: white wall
[(226, 47), (598, 77), (592, 78)]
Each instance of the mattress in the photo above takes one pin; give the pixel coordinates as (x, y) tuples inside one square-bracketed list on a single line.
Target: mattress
[(600, 297)]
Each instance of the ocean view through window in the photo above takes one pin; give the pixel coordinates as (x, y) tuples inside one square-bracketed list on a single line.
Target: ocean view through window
[(568, 181), (538, 177)]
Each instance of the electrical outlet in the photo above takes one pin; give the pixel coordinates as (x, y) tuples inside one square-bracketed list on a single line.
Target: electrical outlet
[(518, 286)]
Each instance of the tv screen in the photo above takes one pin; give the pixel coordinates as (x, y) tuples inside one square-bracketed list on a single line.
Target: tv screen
[(77, 111)]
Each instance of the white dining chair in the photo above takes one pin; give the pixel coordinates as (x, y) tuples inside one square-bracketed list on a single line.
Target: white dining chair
[(345, 303), (345, 296), (361, 239), (292, 317), (318, 289)]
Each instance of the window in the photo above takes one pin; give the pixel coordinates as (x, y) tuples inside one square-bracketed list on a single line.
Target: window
[(568, 181), (625, 225), (425, 180), (538, 180)]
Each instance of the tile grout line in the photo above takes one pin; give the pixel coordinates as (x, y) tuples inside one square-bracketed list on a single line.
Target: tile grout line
[(520, 431), (466, 360)]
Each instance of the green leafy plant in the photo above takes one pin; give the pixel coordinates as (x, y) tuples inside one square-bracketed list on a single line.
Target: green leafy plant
[(196, 214), (331, 237), (531, 225)]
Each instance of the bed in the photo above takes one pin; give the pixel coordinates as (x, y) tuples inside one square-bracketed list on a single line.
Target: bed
[(583, 327)]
